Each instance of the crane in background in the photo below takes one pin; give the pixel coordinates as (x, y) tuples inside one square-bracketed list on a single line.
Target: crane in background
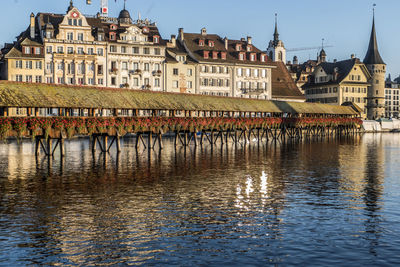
[(309, 48)]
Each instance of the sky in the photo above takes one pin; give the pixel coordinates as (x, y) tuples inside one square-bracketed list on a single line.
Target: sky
[(345, 25)]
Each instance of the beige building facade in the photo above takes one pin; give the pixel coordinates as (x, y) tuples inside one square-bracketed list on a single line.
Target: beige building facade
[(340, 82)]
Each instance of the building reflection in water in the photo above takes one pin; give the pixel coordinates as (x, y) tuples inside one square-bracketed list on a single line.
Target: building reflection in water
[(109, 209)]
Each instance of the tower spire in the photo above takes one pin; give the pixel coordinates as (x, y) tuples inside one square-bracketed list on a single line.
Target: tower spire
[(276, 34), (373, 56)]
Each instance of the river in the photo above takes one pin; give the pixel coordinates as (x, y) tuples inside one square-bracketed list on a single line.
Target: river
[(322, 202)]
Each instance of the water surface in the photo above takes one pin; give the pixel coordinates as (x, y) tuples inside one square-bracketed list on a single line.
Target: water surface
[(331, 202)]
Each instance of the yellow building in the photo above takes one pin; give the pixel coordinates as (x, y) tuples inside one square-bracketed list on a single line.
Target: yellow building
[(179, 69), (339, 82)]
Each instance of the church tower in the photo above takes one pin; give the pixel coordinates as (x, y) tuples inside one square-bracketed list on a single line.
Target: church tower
[(377, 69), (276, 50)]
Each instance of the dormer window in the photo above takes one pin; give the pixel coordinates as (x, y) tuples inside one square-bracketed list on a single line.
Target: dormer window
[(238, 47), (252, 57), (100, 37), (211, 43), (206, 54), (223, 55), (215, 55), (156, 39), (201, 42), (27, 50), (241, 56), (37, 50), (113, 36), (249, 48), (146, 30), (263, 58)]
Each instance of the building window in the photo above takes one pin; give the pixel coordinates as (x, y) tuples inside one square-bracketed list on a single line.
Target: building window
[(146, 66), (27, 50), (175, 84), (49, 49), (156, 82), (90, 51), (38, 79), (135, 66), (49, 80), (70, 36), (18, 78), (175, 71), (80, 36), (28, 78), (70, 50), (18, 64), (124, 80), (28, 64), (135, 50), (189, 84), (157, 67), (113, 48), (80, 50), (113, 81), (100, 69), (60, 49), (157, 51), (135, 82), (100, 51), (37, 51), (124, 65), (100, 81), (146, 81), (60, 66), (38, 65), (123, 49), (189, 72), (146, 51)]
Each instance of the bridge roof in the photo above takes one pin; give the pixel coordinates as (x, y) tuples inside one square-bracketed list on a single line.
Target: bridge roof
[(35, 95)]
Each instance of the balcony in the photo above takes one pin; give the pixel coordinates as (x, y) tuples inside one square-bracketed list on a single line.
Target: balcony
[(253, 91), (157, 73), (135, 72), (113, 71)]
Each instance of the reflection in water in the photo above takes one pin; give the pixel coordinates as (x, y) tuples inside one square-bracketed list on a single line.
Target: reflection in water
[(321, 202)]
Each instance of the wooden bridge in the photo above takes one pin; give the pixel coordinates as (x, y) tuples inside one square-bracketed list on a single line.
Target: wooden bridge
[(107, 114)]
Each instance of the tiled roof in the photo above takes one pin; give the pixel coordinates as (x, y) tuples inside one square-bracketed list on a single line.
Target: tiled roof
[(283, 84), (191, 42)]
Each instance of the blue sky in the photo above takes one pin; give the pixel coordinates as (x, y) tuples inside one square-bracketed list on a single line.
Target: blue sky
[(344, 24)]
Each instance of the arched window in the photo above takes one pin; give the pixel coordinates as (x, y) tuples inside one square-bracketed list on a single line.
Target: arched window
[(280, 56)]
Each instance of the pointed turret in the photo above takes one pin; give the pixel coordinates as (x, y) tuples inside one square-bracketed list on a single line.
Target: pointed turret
[(373, 56)]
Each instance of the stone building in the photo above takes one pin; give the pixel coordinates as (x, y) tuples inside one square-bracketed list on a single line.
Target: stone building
[(377, 69), (180, 69), (392, 98), (228, 67), (339, 82)]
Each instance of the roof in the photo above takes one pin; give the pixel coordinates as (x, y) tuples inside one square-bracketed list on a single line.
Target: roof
[(13, 94), (373, 56), (191, 43), (339, 71), (283, 84)]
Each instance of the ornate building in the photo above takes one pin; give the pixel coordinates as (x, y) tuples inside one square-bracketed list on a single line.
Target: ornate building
[(377, 68)]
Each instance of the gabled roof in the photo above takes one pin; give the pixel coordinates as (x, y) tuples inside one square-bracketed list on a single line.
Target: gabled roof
[(373, 56), (339, 70)]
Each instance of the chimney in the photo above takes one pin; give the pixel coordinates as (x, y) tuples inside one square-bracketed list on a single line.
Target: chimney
[(352, 56), (32, 26), (181, 37), (226, 43), (249, 40), (173, 41), (335, 60), (242, 39), (204, 31)]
